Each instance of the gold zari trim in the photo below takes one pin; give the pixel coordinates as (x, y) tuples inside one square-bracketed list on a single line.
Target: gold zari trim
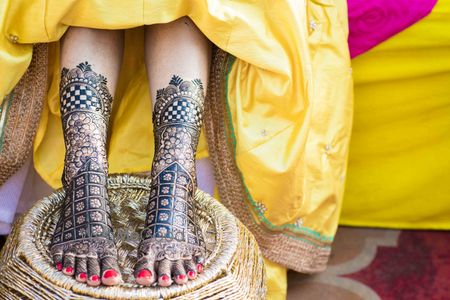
[(301, 253), (23, 115)]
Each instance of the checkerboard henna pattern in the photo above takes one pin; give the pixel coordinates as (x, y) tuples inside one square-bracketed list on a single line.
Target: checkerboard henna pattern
[(172, 240), (182, 111), (78, 96), (83, 242)]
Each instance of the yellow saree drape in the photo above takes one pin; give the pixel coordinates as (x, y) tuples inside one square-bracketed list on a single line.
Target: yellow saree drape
[(288, 96)]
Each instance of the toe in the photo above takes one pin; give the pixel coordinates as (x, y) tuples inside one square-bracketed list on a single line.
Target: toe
[(111, 277), (191, 269), (164, 273), (144, 272), (58, 260), (81, 268), (200, 262), (110, 271), (69, 263), (145, 277), (93, 271), (179, 273)]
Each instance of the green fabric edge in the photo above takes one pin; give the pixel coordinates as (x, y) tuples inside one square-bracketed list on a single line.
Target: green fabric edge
[(307, 231)]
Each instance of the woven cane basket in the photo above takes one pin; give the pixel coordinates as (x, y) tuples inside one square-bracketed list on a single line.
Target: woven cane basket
[(233, 268)]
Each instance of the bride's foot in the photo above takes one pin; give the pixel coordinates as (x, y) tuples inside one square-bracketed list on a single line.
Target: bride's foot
[(172, 246), (172, 243), (83, 242)]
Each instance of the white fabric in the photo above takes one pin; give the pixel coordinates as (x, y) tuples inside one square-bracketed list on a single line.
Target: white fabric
[(205, 176), (19, 193), (10, 193)]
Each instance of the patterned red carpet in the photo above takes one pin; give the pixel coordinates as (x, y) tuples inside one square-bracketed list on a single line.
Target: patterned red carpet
[(381, 264)]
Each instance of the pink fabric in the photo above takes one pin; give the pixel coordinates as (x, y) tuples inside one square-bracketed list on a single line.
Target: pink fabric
[(373, 21)]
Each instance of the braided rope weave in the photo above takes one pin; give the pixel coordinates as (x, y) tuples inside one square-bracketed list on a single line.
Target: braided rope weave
[(233, 270)]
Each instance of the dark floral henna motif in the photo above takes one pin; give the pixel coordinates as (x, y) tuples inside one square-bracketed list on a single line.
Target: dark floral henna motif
[(85, 109), (83, 238), (171, 232)]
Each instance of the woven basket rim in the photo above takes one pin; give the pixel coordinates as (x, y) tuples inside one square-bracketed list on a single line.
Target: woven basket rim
[(227, 239)]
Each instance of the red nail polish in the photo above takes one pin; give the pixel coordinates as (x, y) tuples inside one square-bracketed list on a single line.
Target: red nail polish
[(59, 266), (181, 277), (69, 270), (109, 274), (145, 273), (191, 274), (95, 278), (165, 278), (200, 268), (82, 276)]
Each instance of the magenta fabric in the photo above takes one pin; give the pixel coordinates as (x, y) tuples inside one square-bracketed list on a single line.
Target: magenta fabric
[(373, 21)]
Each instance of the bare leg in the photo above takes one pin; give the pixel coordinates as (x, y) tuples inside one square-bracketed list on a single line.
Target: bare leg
[(83, 243), (177, 59)]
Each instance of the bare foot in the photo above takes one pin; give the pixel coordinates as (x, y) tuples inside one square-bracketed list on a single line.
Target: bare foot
[(83, 242), (172, 246)]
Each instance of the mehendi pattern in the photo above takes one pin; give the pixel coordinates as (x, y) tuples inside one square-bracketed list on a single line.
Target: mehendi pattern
[(84, 228), (171, 231), (86, 213), (85, 109)]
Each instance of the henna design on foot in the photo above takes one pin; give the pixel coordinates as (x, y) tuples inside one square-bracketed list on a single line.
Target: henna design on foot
[(83, 242), (171, 238)]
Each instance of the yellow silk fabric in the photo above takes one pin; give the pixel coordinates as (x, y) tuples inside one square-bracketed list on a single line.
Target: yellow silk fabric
[(289, 94), (14, 57), (276, 281), (399, 165), (292, 119)]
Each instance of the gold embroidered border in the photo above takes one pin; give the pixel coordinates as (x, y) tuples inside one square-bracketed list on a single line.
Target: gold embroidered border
[(4, 108), (300, 253), (22, 117)]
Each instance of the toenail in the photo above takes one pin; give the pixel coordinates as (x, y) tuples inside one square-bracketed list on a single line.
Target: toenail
[(165, 278), (69, 269), (191, 273), (59, 266), (82, 276), (145, 273), (109, 273), (95, 278), (200, 267), (180, 277)]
